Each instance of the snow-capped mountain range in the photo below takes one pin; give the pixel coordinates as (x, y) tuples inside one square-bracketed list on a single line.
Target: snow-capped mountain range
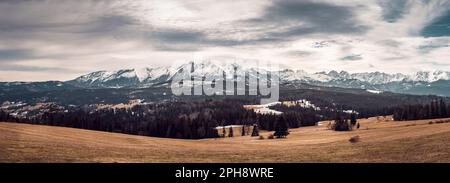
[(369, 77), (424, 82)]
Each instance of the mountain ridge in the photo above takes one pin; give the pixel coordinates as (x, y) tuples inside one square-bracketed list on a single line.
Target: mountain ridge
[(419, 83), (422, 82)]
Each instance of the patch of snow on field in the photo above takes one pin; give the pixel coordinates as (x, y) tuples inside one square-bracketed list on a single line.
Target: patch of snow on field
[(264, 108), (323, 123), (267, 111), (229, 126), (302, 103), (350, 111), (374, 91)]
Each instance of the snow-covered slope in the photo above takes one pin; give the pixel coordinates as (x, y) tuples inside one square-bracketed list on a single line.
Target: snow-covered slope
[(379, 81), (143, 77)]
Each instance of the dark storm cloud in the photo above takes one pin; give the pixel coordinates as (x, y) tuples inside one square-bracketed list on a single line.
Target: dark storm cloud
[(7, 55), (393, 10), (24, 68), (438, 28), (179, 40), (96, 17), (179, 36), (304, 17), (193, 40), (60, 25), (65, 22), (110, 23), (281, 22), (102, 25), (9, 59), (430, 47), (70, 23)]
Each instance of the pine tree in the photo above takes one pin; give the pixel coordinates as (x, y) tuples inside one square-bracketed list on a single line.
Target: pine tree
[(341, 124), (224, 132), (281, 130), (255, 132), (444, 112), (231, 132), (353, 118)]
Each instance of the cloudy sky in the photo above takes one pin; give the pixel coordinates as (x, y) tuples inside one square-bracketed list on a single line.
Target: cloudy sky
[(61, 39)]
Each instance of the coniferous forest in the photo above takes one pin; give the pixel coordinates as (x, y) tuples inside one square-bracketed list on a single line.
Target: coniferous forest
[(187, 120), (196, 117), (435, 109)]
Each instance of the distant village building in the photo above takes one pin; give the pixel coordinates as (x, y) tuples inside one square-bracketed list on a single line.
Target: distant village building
[(237, 130)]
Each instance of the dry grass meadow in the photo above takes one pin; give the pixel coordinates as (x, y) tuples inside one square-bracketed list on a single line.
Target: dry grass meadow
[(380, 140)]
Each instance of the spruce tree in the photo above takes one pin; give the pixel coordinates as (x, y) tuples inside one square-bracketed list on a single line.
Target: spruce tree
[(281, 130), (353, 119), (224, 132), (444, 112), (255, 130)]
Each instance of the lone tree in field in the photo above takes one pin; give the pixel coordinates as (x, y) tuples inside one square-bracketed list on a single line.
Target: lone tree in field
[(223, 131), (281, 130), (230, 134), (341, 124), (353, 118), (243, 130), (255, 131)]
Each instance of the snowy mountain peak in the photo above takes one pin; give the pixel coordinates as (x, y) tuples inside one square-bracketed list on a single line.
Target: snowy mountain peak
[(146, 77), (430, 76)]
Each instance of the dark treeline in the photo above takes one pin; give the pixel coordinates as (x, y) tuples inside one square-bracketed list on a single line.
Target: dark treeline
[(188, 120), (311, 116), (436, 109), (308, 116), (366, 104)]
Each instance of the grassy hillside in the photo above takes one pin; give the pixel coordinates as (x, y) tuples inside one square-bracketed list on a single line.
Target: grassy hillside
[(380, 141)]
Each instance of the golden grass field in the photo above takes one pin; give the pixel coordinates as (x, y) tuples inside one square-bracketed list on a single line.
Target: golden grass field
[(380, 141)]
